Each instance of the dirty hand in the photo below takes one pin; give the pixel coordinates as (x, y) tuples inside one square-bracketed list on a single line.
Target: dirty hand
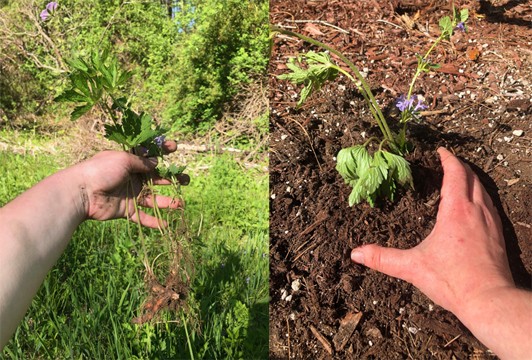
[(464, 257), (114, 179)]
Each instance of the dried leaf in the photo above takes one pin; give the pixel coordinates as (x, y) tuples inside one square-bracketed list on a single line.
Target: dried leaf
[(472, 53)]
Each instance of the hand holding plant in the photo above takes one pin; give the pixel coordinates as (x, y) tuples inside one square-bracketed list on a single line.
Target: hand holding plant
[(118, 183), (113, 180)]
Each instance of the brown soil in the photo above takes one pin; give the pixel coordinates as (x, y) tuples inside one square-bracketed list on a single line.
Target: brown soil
[(478, 98)]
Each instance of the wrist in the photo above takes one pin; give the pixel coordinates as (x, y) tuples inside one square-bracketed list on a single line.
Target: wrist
[(75, 193)]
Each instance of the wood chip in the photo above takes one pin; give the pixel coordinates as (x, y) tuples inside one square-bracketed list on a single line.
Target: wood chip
[(512, 181), (347, 327), (324, 342)]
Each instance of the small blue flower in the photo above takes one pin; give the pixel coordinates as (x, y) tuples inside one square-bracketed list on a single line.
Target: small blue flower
[(420, 106), (159, 140), (461, 26), (403, 103)]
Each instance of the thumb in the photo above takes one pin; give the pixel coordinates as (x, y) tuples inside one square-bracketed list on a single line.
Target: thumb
[(390, 261)]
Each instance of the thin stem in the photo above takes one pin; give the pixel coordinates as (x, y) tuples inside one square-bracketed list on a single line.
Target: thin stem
[(141, 234), (187, 336), (421, 65)]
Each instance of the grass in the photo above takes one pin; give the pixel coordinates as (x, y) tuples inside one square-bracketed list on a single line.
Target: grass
[(84, 308)]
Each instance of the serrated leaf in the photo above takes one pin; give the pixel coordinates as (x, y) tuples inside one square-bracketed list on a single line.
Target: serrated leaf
[(349, 160), (124, 77), (114, 72), (355, 197), (107, 79), (305, 93), (80, 82), (146, 133), (78, 64), (446, 26), (72, 96), (380, 163), (319, 70), (80, 111), (96, 60), (464, 15), (114, 133), (401, 169)]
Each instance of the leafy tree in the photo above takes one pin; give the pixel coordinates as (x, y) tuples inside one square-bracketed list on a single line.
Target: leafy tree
[(186, 63)]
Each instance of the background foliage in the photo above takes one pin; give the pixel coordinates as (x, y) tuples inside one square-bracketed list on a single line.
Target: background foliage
[(189, 58)]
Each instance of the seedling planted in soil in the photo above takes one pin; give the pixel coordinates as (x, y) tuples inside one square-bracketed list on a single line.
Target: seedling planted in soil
[(376, 174)]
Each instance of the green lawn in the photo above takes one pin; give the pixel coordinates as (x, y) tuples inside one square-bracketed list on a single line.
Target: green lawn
[(85, 306)]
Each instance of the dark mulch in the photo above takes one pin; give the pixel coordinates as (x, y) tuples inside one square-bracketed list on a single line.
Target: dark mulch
[(475, 105)]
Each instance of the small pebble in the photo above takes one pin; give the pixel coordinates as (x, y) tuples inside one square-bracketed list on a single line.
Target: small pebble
[(518, 132), (296, 284)]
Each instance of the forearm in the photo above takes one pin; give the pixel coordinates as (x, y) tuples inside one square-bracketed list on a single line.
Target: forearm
[(502, 320), (35, 229)]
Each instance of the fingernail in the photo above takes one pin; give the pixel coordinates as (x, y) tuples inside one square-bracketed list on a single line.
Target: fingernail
[(153, 160), (357, 256)]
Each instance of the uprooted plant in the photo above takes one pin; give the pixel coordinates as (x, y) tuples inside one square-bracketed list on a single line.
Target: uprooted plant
[(97, 81), (375, 175)]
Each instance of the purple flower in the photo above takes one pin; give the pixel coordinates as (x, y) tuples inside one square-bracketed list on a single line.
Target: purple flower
[(403, 103), (159, 140), (44, 15), (51, 6), (461, 26), (420, 106)]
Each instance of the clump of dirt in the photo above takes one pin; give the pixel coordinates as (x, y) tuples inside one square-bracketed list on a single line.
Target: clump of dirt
[(322, 305)]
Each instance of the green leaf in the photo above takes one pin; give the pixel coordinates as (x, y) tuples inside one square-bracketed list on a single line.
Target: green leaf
[(464, 15), (78, 64), (96, 60), (356, 196), (72, 96), (146, 133), (320, 69), (115, 133), (80, 82), (114, 73), (171, 171), (380, 163), (107, 79), (446, 26), (349, 161), (124, 77), (400, 167), (80, 111)]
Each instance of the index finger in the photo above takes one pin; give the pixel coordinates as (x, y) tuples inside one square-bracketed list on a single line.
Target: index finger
[(456, 177)]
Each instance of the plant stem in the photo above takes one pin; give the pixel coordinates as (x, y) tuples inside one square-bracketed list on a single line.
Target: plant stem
[(364, 87), (421, 66), (187, 336)]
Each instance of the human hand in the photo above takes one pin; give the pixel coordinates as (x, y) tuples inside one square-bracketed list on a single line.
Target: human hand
[(114, 179), (464, 257)]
